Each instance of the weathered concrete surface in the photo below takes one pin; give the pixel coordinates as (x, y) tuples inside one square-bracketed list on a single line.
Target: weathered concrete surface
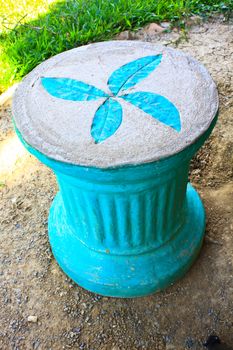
[(61, 129)]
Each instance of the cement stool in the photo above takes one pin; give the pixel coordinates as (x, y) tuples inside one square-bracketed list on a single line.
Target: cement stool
[(118, 122)]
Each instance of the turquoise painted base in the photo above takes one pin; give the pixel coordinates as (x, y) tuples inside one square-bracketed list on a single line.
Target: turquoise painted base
[(127, 231), (128, 275)]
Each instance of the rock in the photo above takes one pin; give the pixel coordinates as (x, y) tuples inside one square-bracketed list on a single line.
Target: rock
[(84, 305), (32, 319), (170, 347), (123, 35), (165, 25), (77, 330), (127, 35), (36, 344), (189, 342), (153, 28), (18, 296), (13, 200), (193, 20)]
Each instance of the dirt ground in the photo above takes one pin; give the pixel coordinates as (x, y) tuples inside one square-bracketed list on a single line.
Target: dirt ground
[(68, 317)]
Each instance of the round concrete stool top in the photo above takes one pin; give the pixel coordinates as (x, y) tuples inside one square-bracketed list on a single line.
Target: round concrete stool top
[(115, 103)]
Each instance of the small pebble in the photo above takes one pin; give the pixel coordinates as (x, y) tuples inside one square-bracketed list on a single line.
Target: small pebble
[(165, 25), (32, 319)]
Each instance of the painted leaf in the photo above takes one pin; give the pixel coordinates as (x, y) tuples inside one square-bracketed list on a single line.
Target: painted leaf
[(157, 106), (132, 73), (70, 89), (107, 120)]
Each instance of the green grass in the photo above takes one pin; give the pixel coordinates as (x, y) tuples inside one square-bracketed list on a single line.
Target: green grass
[(32, 31)]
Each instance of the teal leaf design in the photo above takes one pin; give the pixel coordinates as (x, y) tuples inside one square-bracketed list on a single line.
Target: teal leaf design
[(132, 73), (157, 106), (107, 120), (108, 116), (71, 89)]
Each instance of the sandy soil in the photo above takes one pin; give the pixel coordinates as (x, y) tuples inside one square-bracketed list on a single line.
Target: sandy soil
[(68, 317)]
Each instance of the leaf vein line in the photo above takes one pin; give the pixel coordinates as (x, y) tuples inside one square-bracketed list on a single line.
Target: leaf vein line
[(106, 103), (133, 75)]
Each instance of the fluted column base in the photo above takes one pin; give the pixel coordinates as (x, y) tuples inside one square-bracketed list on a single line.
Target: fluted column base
[(128, 275)]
